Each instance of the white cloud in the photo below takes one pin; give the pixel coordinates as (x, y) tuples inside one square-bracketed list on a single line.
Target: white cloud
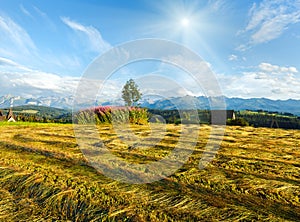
[(232, 58), (14, 37), (166, 86), (10, 63), (95, 41), (90, 90), (269, 81), (21, 80), (274, 27), (7, 62), (36, 83), (25, 11), (40, 12), (275, 69), (45, 81), (17, 45), (45, 18), (261, 82), (217, 5), (269, 20)]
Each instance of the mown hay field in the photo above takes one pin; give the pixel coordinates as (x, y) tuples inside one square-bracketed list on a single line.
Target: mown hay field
[(44, 176)]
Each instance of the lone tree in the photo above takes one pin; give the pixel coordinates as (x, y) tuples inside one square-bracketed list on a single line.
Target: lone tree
[(131, 93)]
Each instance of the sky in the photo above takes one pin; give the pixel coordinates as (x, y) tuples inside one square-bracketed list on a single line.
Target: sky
[(252, 47)]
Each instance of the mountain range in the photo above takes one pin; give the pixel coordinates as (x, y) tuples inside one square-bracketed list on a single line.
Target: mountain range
[(201, 102), (154, 102)]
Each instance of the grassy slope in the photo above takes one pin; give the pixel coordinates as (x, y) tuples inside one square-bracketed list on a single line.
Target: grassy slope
[(44, 176)]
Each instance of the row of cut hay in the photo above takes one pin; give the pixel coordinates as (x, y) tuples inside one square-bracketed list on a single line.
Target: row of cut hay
[(112, 114)]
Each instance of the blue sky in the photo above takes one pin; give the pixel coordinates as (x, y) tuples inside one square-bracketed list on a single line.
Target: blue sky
[(253, 47)]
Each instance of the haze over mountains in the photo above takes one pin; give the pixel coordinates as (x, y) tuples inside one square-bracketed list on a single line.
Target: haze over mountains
[(153, 102)]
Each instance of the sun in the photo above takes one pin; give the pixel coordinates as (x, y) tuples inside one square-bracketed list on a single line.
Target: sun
[(185, 22)]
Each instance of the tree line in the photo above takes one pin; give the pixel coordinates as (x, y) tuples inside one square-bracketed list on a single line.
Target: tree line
[(131, 95)]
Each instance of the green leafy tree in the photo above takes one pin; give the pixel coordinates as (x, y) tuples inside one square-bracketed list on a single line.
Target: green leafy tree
[(131, 93)]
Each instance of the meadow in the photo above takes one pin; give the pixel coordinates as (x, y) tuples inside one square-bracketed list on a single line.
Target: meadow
[(44, 176)]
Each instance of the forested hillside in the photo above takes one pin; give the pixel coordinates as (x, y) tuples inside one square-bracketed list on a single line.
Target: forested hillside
[(32, 113)]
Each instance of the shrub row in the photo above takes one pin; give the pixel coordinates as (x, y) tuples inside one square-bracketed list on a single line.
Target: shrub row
[(111, 114)]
